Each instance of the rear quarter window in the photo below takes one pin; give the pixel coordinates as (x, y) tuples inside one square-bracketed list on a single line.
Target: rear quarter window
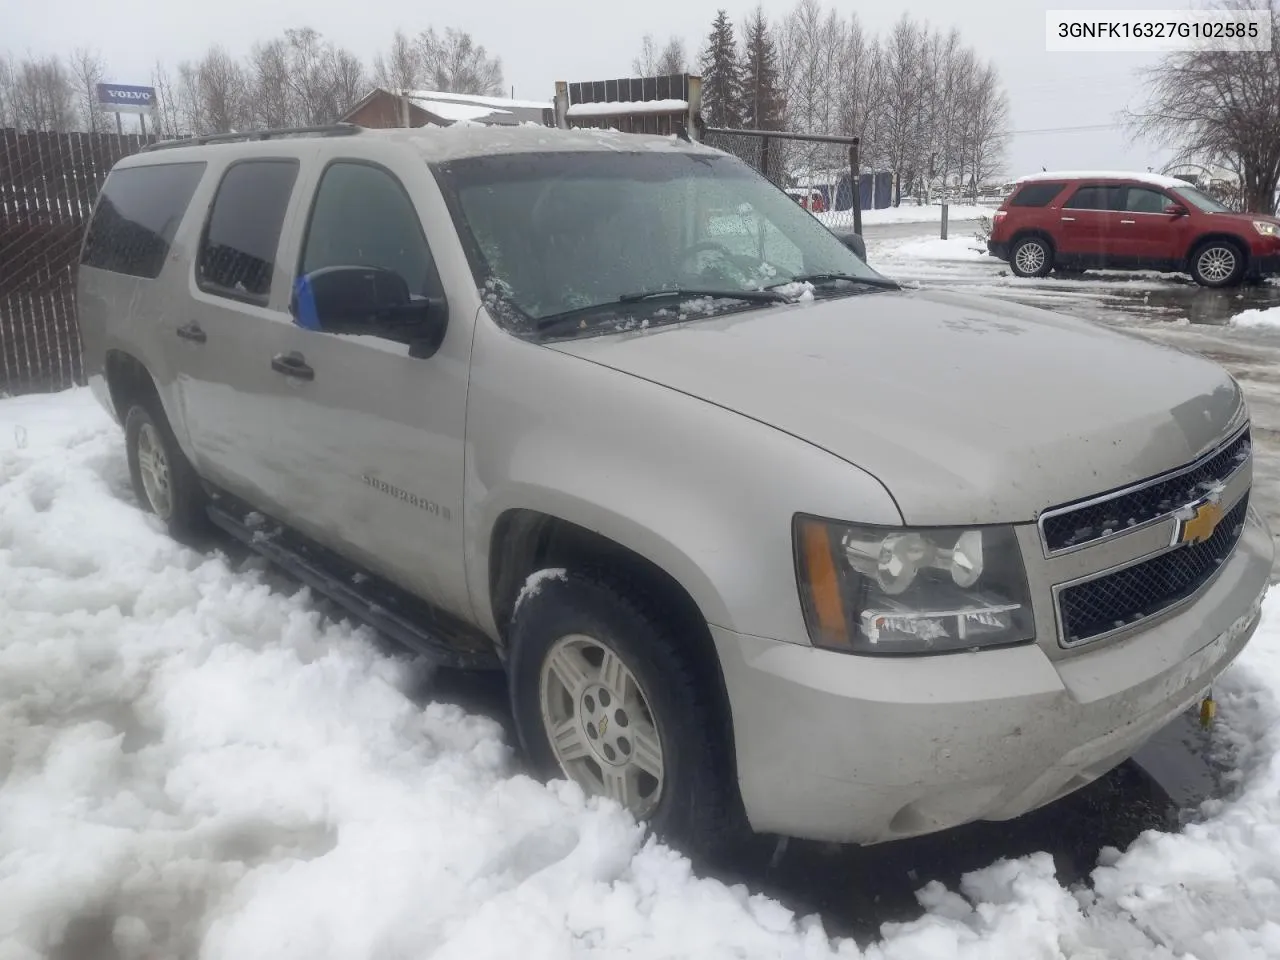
[(1036, 194), (137, 216)]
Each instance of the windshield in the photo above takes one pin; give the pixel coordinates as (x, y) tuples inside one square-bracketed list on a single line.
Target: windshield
[(573, 233), (1201, 201)]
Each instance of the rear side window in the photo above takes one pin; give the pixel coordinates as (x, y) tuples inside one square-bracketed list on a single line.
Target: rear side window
[(1097, 197), (238, 250), (1036, 194), (137, 216)]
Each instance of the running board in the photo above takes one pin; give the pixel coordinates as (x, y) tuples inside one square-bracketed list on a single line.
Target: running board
[(372, 600)]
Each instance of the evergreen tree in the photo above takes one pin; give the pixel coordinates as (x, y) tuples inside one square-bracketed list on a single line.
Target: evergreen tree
[(763, 106), (721, 76)]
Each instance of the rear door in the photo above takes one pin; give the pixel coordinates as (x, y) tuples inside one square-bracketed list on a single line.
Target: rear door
[(1089, 221), (230, 326)]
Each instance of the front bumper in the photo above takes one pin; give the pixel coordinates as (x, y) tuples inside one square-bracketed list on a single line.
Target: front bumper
[(860, 749), (1267, 265)]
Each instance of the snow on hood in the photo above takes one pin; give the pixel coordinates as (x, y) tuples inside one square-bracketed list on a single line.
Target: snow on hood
[(194, 762), (968, 410)]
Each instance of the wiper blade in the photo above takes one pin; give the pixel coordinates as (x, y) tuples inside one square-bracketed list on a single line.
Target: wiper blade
[(682, 293), (882, 283), (751, 296)]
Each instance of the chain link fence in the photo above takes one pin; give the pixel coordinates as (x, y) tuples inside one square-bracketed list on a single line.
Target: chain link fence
[(818, 172)]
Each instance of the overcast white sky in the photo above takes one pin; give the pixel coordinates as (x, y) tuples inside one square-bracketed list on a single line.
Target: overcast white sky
[(571, 40)]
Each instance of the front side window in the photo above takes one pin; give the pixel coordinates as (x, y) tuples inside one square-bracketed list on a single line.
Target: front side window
[(586, 234), (137, 217), (363, 217), (1145, 200), (238, 252)]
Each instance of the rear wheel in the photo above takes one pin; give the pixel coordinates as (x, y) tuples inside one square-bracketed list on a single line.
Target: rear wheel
[(605, 694), (163, 479), (1217, 263), (1031, 257)]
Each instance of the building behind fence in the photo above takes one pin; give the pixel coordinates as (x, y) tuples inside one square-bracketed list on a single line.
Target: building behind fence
[(48, 184)]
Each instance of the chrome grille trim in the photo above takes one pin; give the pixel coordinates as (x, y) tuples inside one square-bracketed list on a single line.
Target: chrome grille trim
[(1242, 435)]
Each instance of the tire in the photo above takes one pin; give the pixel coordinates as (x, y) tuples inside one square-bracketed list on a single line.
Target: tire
[(560, 639), (1217, 263), (1031, 257), (164, 481)]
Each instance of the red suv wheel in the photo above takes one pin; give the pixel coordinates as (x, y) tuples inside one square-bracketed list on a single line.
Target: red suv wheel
[(1031, 257)]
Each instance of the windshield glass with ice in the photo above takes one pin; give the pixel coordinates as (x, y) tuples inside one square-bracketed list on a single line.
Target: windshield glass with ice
[(566, 233), (1202, 201)]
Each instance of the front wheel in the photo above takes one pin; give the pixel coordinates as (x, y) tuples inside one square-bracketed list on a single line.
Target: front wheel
[(1031, 257), (605, 694), (1217, 263)]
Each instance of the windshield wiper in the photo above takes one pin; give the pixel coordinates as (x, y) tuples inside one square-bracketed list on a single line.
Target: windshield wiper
[(681, 293), (751, 296), (882, 283)]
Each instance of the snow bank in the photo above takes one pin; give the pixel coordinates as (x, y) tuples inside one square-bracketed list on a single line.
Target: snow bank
[(1269, 317), (193, 763), (953, 248)]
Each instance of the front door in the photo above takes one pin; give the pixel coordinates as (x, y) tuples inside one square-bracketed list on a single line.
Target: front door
[(379, 438), (1152, 237)]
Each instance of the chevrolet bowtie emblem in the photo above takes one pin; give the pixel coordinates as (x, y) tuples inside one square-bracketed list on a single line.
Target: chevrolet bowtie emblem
[(1200, 526)]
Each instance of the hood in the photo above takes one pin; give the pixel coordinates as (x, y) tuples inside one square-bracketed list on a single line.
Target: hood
[(968, 410)]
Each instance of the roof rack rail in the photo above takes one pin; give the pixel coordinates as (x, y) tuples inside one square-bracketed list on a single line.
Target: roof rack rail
[(328, 130)]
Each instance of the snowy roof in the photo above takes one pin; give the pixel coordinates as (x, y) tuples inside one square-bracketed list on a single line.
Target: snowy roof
[(447, 110), (618, 108), (1155, 179), (444, 96), (475, 140)]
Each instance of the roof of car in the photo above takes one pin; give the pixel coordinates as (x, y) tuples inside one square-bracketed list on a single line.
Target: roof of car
[(1155, 179), (459, 140)]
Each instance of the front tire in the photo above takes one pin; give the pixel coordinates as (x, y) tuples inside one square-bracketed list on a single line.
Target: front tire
[(1217, 263), (164, 480), (1031, 257), (604, 694)]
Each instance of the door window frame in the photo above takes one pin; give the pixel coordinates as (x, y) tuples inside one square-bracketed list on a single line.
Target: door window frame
[(226, 293), (434, 279)]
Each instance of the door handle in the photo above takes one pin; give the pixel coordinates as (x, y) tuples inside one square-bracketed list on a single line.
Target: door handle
[(292, 364), (1068, 219), (1128, 221), (192, 332)]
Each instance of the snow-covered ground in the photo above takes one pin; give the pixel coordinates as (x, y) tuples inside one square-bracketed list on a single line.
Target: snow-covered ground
[(194, 762), (1269, 317), (907, 214)]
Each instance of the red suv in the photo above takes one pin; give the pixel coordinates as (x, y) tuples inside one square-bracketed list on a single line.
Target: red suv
[(1133, 221)]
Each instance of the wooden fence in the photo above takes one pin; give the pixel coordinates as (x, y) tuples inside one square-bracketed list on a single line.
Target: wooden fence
[(48, 183)]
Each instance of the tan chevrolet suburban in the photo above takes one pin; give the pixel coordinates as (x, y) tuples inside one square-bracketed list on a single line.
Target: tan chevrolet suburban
[(755, 534)]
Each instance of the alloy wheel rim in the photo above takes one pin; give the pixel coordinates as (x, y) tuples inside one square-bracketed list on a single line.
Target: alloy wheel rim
[(153, 464), (1031, 257), (1217, 264), (600, 725)]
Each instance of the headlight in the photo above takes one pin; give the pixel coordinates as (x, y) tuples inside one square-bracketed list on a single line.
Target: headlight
[(1266, 228), (886, 590)]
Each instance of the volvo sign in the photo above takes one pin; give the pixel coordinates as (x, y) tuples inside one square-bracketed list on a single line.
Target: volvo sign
[(123, 98)]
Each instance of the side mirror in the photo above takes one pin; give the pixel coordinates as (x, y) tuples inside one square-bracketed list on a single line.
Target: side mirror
[(371, 301), (1176, 210)]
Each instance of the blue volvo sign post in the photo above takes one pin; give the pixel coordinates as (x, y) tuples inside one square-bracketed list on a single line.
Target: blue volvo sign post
[(124, 98)]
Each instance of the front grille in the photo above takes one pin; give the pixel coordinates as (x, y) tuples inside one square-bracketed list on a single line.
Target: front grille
[(1127, 596), (1066, 528)]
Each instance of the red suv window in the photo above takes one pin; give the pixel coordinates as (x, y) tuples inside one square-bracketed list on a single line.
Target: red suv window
[(1037, 194), (1097, 197)]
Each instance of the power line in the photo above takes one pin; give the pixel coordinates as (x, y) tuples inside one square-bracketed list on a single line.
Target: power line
[(1079, 129)]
